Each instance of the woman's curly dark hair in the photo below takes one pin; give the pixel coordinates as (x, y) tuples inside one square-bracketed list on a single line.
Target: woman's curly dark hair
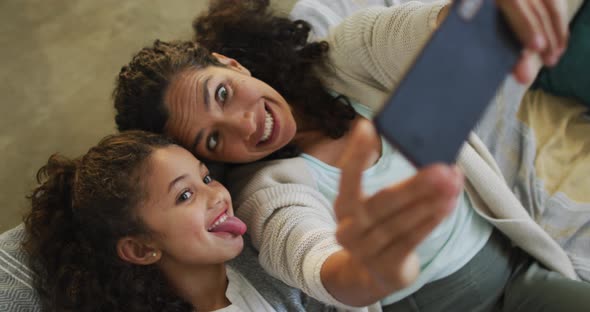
[(140, 87), (80, 210), (276, 51), (273, 48)]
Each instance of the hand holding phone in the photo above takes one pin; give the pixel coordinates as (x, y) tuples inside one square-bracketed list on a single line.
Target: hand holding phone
[(444, 93)]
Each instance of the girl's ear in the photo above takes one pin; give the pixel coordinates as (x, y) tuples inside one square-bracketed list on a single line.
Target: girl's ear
[(231, 63), (134, 250)]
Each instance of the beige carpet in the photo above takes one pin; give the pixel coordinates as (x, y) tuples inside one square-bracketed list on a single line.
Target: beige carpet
[(59, 59)]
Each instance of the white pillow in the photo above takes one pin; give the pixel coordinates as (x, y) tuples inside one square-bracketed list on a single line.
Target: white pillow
[(16, 279)]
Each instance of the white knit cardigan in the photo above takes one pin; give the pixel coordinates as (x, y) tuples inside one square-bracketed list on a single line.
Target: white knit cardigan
[(289, 220)]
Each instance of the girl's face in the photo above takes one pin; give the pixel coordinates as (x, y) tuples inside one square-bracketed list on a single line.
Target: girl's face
[(226, 115), (189, 213)]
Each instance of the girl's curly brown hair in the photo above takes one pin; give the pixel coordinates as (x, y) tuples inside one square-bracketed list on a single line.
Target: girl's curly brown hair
[(273, 48), (80, 210)]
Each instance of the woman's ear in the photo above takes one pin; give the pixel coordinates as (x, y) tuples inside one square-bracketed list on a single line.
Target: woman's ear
[(231, 63), (136, 251)]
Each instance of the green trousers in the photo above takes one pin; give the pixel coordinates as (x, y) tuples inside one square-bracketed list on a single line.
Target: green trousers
[(499, 278)]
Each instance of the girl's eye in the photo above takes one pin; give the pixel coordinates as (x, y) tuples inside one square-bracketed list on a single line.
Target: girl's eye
[(207, 179), (184, 196), (212, 141), (221, 93)]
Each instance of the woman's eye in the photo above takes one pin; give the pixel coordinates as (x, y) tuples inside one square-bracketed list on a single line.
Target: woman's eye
[(207, 179), (184, 196), (221, 94), (212, 141)]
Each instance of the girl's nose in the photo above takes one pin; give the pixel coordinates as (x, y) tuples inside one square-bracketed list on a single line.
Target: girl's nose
[(216, 197)]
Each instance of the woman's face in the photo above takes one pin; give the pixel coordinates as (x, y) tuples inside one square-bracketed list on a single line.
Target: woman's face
[(225, 114), (189, 213)]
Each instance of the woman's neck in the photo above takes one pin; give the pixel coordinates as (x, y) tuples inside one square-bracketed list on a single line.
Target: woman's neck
[(328, 150), (309, 137), (203, 286)]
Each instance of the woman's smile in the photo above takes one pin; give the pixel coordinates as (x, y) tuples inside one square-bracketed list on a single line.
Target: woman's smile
[(251, 121), (270, 127)]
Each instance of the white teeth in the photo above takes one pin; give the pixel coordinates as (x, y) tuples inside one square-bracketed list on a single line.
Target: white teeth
[(268, 124), (218, 222)]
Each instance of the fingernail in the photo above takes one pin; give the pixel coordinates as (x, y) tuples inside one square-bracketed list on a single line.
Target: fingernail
[(538, 42), (553, 59)]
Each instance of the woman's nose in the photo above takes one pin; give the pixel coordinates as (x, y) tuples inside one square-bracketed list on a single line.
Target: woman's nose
[(244, 125)]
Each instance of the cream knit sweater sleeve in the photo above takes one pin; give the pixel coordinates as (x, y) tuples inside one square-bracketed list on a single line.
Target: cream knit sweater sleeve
[(291, 224), (370, 50)]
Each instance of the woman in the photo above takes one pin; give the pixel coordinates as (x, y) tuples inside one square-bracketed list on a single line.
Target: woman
[(137, 224), (293, 107)]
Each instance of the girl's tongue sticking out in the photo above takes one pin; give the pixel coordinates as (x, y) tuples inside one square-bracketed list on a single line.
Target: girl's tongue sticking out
[(230, 224)]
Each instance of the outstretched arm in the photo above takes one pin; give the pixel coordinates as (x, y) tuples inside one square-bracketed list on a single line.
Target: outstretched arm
[(379, 233), (295, 230)]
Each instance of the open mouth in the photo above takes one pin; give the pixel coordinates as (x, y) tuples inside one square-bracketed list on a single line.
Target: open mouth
[(269, 126), (220, 219), (269, 122), (226, 224)]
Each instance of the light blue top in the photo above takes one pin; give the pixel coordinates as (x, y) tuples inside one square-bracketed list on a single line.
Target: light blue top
[(450, 245)]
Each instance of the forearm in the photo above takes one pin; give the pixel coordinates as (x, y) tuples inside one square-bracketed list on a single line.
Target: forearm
[(348, 282), (310, 259), (295, 242)]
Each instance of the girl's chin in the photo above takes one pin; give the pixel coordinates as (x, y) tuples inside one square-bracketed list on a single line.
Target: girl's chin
[(237, 248)]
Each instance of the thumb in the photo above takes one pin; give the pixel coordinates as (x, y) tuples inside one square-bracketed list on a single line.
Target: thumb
[(354, 160), (526, 68)]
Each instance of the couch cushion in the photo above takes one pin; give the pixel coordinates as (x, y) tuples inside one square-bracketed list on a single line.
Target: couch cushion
[(16, 279), (570, 76)]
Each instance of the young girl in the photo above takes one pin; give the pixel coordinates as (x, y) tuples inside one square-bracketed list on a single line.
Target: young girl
[(138, 224), (419, 243)]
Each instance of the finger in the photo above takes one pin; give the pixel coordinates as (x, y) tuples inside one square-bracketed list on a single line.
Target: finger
[(557, 11), (396, 275), (353, 162), (409, 270), (430, 210), (524, 23), (402, 224), (525, 69), (549, 53), (393, 262), (402, 248), (349, 233), (431, 182)]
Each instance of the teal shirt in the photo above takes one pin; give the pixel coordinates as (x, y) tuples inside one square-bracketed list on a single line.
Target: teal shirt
[(450, 245)]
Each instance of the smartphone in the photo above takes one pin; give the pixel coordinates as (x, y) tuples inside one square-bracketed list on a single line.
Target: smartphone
[(451, 82)]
